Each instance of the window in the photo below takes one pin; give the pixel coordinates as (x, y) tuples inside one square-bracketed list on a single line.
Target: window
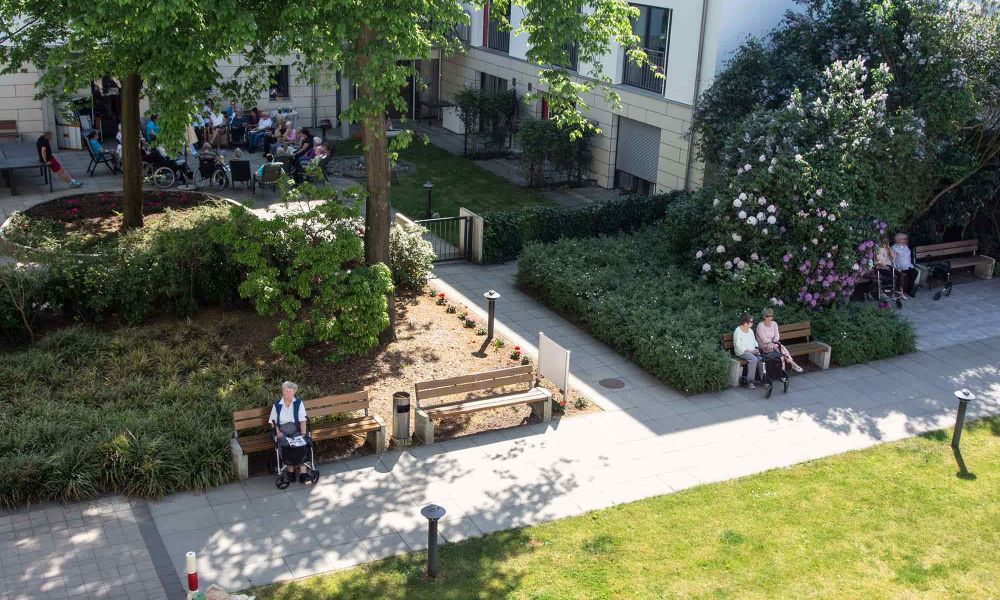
[(653, 29), (492, 83), (279, 83), (493, 36), (632, 184)]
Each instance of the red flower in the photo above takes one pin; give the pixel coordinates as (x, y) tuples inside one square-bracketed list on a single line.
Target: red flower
[(517, 348), (441, 295)]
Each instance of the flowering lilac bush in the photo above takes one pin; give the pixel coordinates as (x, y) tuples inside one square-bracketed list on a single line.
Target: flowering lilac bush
[(944, 58), (800, 191)]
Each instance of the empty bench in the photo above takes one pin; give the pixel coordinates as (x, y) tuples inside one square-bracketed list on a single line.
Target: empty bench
[(796, 337), (371, 426), (538, 398), (8, 131), (958, 255)]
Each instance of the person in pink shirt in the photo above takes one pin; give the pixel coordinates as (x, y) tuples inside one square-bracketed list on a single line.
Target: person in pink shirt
[(768, 340)]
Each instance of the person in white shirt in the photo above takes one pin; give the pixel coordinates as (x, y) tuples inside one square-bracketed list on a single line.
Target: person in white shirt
[(745, 347), (288, 418), (902, 260), (263, 128)]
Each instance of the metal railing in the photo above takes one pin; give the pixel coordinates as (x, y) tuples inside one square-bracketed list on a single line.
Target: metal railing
[(645, 76), (574, 60), (497, 38), (451, 237), (461, 32)]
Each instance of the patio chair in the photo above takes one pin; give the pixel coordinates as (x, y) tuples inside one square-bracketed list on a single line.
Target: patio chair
[(240, 172), (105, 157), (270, 176)]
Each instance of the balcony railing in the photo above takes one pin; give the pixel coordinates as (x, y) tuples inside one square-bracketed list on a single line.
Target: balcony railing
[(497, 38), (461, 32), (645, 76)]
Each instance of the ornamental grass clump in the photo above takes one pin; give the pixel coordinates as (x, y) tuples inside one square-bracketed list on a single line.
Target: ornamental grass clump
[(141, 411)]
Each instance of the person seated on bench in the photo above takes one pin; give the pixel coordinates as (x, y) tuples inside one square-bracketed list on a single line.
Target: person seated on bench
[(288, 418), (745, 347), (767, 340), (902, 259)]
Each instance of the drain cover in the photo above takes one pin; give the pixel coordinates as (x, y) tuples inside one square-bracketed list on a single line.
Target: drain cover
[(612, 383)]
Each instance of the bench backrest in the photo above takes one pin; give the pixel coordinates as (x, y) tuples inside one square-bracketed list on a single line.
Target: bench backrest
[(316, 407), (8, 128), (791, 332), (463, 384), (947, 249)]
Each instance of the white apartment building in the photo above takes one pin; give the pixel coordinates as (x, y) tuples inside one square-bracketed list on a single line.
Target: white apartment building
[(645, 144)]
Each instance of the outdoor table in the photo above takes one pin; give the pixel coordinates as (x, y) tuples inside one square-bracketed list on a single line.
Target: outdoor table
[(16, 156), (433, 106)]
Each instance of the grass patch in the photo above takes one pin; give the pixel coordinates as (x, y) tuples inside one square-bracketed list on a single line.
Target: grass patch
[(141, 411), (457, 182), (888, 522)]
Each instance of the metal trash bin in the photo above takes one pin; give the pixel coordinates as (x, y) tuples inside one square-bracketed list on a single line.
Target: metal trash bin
[(401, 418)]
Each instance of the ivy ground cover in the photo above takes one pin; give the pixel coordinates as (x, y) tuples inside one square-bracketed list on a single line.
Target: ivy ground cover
[(888, 522), (627, 290)]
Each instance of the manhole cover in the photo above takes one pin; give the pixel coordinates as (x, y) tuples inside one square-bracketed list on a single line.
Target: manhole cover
[(612, 383)]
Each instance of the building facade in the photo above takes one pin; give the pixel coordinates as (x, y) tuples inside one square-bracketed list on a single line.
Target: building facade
[(645, 144)]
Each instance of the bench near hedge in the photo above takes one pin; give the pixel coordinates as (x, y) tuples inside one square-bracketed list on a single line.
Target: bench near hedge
[(960, 255), (370, 425), (796, 337), (538, 398)]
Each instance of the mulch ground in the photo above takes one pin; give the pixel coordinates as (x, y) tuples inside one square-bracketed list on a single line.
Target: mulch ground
[(100, 213), (430, 344)]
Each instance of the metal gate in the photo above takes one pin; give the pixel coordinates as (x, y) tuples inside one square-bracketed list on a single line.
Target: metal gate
[(451, 237)]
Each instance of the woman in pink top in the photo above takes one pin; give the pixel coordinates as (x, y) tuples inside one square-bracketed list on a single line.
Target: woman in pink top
[(767, 339)]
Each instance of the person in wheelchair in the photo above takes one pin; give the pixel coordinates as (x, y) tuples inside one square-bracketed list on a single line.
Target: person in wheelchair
[(290, 432)]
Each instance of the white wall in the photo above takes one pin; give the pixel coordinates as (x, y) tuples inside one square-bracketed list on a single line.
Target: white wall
[(732, 21)]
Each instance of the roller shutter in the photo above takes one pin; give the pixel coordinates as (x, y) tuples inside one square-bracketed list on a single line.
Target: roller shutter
[(638, 149)]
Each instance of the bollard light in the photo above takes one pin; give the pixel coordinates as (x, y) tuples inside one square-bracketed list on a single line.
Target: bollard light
[(491, 296), (191, 566), (433, 513), (428, 186), (964, 397)]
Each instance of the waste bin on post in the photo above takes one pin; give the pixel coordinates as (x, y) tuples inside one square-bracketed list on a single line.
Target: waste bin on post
[(401, 418)]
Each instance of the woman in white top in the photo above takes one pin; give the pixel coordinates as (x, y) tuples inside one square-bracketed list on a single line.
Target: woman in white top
[(902, 259), (283, 417), (745, 347)]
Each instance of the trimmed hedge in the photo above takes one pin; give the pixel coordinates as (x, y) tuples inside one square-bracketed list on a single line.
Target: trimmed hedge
[(628, 292), (505, 233)]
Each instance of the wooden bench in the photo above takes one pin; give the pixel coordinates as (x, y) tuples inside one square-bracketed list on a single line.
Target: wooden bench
[(959, 255), (370, 425), (796, 337), (538, 398), (8, 131)]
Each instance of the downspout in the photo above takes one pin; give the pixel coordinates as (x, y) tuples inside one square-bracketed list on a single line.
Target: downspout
[(697, 90)]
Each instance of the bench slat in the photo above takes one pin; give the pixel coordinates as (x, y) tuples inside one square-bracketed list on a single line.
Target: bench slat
[(958, 247), (484, 376), (791, 331), (350, 398), (969, 261), (470, 406), (485, 384), (336, 410), (345, 428)]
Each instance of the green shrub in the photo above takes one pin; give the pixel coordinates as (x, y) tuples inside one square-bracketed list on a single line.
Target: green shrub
[(410, 255), (859, 334), (506, 232), (172, 265), (628, 292), (22, 299), (141, 411), (554, 155)]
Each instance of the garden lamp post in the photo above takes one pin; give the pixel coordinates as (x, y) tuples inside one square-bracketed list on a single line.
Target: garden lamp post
[(428, 186), (491, 296), (433, 513), (964, 397)]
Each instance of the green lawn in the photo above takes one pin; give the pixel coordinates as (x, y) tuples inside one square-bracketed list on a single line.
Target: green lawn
[(457, 182), (889, 522)]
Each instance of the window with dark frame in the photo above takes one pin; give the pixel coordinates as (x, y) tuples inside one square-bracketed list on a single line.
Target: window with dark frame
[(280, 88), (653, 29), (492, 83)]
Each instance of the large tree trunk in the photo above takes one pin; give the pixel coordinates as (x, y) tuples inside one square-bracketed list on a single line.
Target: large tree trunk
[(377, 220), (131, 159)]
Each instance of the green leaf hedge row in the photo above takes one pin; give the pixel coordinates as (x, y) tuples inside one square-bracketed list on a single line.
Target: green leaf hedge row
[(628, 292), (505, 233)]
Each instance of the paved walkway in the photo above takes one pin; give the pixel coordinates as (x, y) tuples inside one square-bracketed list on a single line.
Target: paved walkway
[(652, 441)]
